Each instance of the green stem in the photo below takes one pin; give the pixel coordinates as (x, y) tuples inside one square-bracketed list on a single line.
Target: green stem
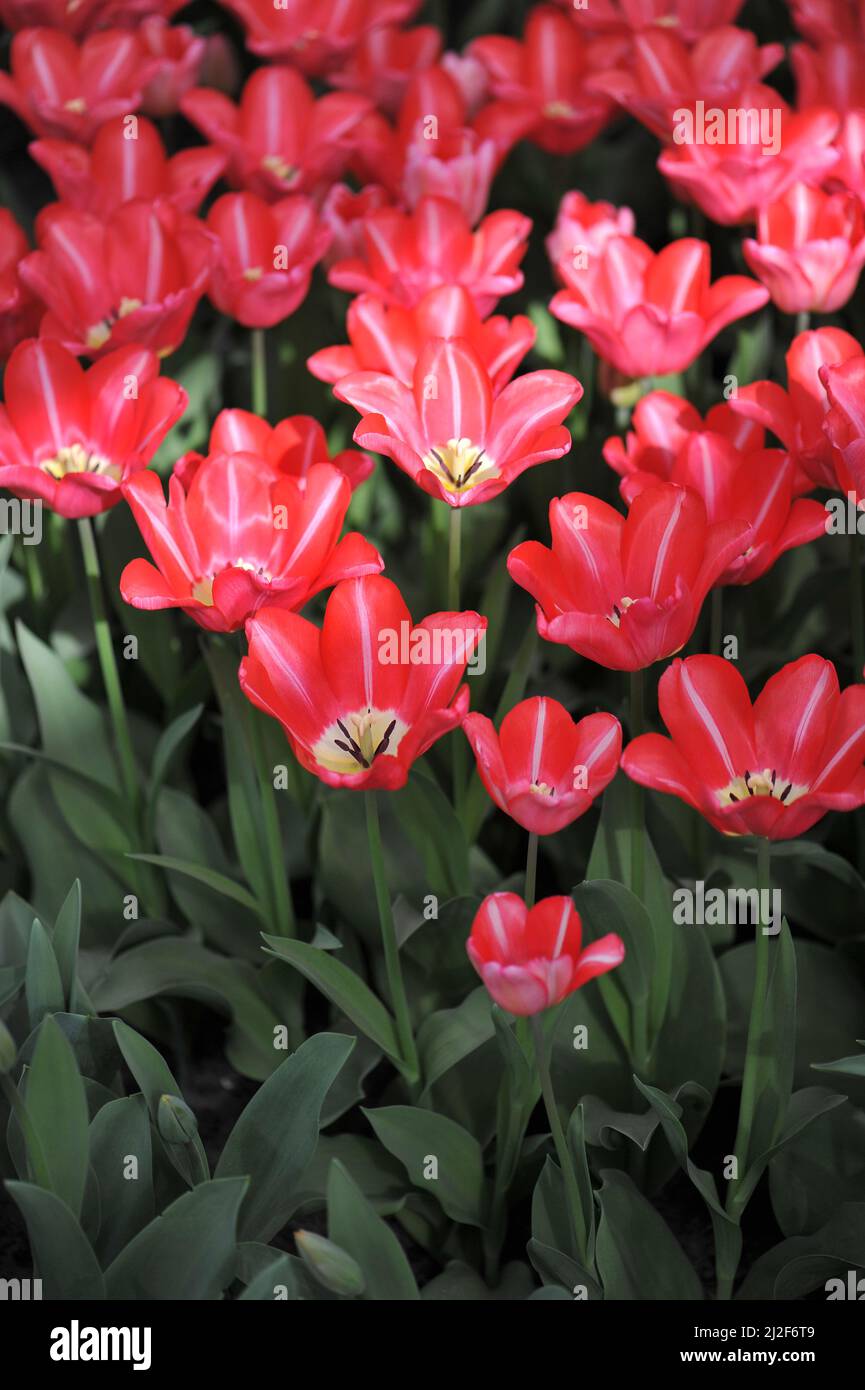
[(531, 868), (108, 662), (753, 1054), (282, 903), (857, 620), (572, 1190), (454, 558), (396, 985), (638, 868), (259, 372), (716, 635), (35, 579), (803, 321)]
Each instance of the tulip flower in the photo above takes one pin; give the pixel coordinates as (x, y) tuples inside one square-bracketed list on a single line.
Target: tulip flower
[(407, 254), (237, 540), (531, 959), (66, 90), (732, 178), (71, 436), (285, 450), (366, 695), (345, 213), (796, 416), (724, 462), (832, 75), (690, 18), (810, 249), (626, 591), (844, 423), (135, 276), (390, 339), (772, 769), (180, 53), (648, 313), (127, 160), (50, 14), (384, 62), (582, 229), (826, 21), (662, 72), (314, 35), (267, 252), (19, 313), (279, 139), (543, 769), (450, 433), (542, 82)]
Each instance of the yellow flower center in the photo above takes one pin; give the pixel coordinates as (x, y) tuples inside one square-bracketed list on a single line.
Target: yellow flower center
[(558, 110), (276, 165), (253, 273), (77, 105), (353, 742), (618, 609), (765, 783), (542, 789), (74, 458), (460, 465)]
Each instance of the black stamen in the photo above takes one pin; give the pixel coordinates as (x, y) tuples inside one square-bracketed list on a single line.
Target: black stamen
[(786, 792), (352, 747), (435, 453), (733, 797), (478, 456), (382, 747)]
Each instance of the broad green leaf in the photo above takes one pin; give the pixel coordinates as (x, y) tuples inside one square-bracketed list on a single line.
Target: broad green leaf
[(188, 1252), (155, 1080), (354, 1225), (446, 1037), (342, 987), (417, 1136), (43, 985), (170, 741), (797, 1266), (220, 883), (57, 1106), (639, 1258), (276, 1135), (66, 938), (61, 1251), (120, 1131)]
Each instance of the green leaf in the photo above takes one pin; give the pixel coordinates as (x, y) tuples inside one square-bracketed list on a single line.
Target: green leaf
[(220, 883), (186, 1253), (66, 938), (57, 1106), (845, 1066), (276, 1135), (166, 749), (639, 1258), (118, 1132), (43, 986), (61, 1251), (415, 1136), (354, 1225), (446, 1037), (797, 1266), (342, 987), (155, 1080)]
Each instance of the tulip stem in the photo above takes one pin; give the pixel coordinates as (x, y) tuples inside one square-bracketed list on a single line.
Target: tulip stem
[(754, 1054), (857, 620), (531, 868), (803, 321), (454, 561), (282, 903), (638, 868), (396, 985), (572, 1190), (108, 661), (716, 634), (259, 372)]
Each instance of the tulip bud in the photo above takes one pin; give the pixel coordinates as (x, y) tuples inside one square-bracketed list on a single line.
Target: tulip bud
[(175, 1120), (8, 1050), (330, 1265)]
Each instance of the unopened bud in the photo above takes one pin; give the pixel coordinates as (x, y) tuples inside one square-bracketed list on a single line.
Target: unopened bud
[(176, 1122), (330, 1264)]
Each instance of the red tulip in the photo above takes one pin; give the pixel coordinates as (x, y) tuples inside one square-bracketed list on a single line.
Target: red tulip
[(583, 229), (810, 249), (267, 252), (648, 314), (532, 958), (364, 696), (237, 540), (346, 212), (279, 138), (315, 35), (71, 437), (626, 591), (288, 449), (19, 312), (732, 179), (826, 21), (385, 60), (542, 82), (135, 276), (724, 462), (773, 769), (449, 432), (834, 75), (50, 14), (389, 339), (180, 53), (844, 423), (66, 90), (690, 18), (662, 72), (407, 254), (543, 769), (127, 160), (796, 416)]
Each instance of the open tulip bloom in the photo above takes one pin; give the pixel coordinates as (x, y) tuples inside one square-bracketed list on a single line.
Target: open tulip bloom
[(71, 436), (288, 449), (772, 769), (626, 591), (448, 431), (367, 694), (543, 769), (809, 250), (532, 958), (267, 252), (231, 540)]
